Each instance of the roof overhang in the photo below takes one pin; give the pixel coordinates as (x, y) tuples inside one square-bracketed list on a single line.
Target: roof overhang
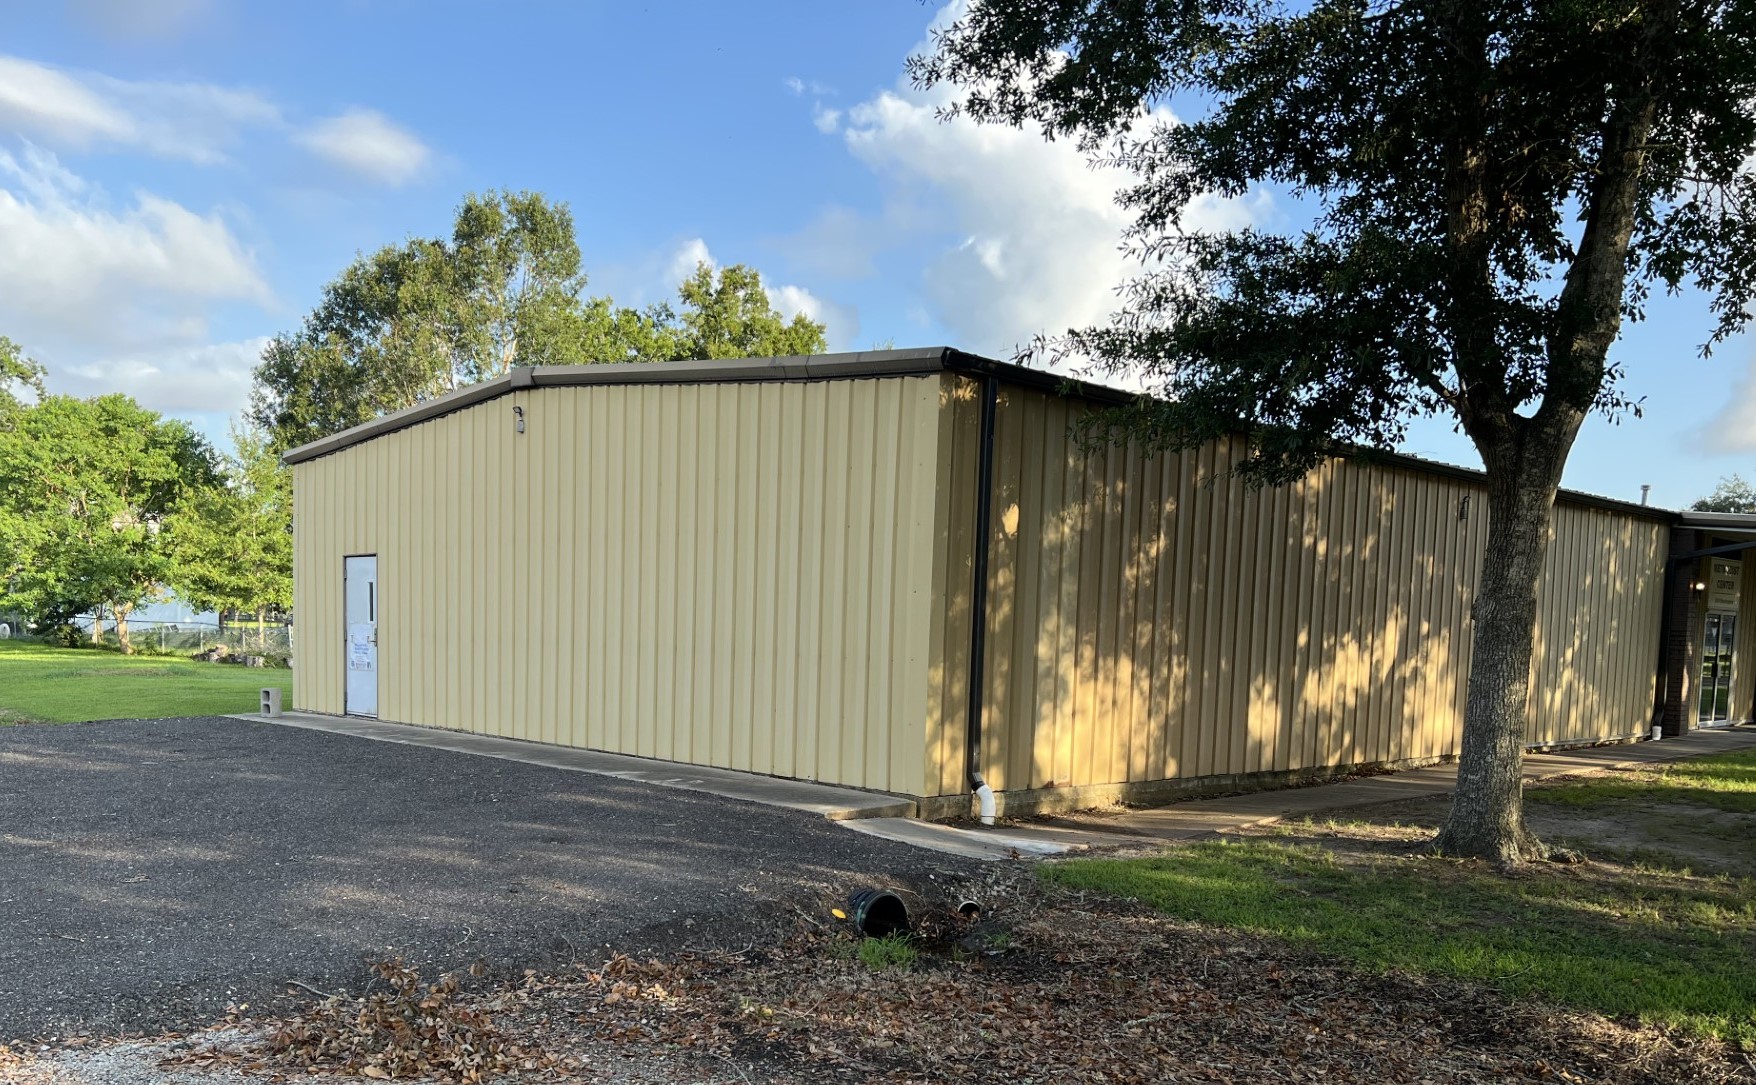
[(1720, 523), (868, 364), (816, 367)]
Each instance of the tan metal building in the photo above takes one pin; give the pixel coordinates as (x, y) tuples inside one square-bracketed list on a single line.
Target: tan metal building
[(776, 565)]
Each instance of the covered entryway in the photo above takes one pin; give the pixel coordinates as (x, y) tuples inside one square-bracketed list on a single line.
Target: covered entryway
[(1704, 681)]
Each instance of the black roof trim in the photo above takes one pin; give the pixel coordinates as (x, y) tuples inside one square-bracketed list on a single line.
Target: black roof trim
[(921, 361)]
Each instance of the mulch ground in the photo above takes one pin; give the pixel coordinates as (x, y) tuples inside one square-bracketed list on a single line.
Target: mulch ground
[(1046, 986)]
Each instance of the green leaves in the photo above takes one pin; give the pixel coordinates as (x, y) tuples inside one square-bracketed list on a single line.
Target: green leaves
[(86, 487), (1484, 192), (17, 372), (232, 542), (1732, 494), (729, 315), (414, 321)]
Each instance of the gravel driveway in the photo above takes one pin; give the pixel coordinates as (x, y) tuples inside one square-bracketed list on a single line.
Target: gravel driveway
[(151, 871)]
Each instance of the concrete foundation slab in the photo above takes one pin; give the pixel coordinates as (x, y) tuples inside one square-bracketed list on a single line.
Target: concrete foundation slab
[(834, 803)]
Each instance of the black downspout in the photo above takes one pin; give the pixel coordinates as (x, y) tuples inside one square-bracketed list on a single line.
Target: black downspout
[(978, 605), (1662, 688)]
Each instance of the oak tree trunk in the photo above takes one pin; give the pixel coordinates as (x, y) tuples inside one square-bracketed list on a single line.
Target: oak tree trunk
[(1487, 812), (121, 616)]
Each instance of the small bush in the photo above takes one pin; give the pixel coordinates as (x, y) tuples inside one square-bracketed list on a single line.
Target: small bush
[(892, 951), (67, 636)]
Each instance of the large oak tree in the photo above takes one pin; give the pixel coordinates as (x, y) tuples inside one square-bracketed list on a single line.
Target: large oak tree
[(1492, 188)]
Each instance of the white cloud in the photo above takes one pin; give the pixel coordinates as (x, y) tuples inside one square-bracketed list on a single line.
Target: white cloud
[(208, 378), (197, 122), (841, 323), (802, 86), (193, 121), (827, 120), (1733, 429), (43, 101), (367, 143), (689, 255), (80, 278), (1027, 233)]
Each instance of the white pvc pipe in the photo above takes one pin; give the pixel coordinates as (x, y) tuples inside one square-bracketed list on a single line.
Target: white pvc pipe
[(985, 796)]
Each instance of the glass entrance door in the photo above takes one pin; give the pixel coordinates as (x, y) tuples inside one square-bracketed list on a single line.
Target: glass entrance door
[(1716, 667)]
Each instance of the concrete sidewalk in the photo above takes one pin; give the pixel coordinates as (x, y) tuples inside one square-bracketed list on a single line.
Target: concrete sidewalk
[(892, 817), (1204, 817), (834, 803)]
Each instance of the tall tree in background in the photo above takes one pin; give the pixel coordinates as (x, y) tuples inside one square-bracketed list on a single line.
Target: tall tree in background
[(1493, 188), (231, 543), (518, 282), (415, 321), (729, 314), (384, 337), (85, 488), (1732, 494)]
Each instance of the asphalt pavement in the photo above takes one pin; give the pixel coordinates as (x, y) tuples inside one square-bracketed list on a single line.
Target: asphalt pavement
[(154, 872)]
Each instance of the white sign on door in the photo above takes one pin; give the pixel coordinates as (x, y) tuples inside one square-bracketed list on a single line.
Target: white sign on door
[(360, 649)]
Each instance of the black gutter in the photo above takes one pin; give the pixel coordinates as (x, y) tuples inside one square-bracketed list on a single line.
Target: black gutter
[(978, 603), (1661, 689)]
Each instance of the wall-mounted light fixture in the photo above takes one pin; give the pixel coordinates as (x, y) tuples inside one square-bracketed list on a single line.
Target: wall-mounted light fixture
[(1463, 510), (518, 413), (1699, 586)]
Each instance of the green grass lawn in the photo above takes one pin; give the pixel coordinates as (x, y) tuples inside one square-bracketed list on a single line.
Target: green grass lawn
[(41, 684), (1655, 942), (1723, 782)]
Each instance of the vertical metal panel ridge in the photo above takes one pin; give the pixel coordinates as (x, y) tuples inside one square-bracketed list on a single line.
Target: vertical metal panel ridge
[(777, 577), (646, 569), (1322, 624)]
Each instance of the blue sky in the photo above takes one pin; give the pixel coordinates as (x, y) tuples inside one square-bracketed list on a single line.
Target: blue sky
[(178, 179)]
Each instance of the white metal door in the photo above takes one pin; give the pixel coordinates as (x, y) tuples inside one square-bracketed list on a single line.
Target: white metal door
[(360, 575)]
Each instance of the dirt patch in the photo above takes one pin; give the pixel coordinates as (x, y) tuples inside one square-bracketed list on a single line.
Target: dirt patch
[(1671, 835), (1049, 985)]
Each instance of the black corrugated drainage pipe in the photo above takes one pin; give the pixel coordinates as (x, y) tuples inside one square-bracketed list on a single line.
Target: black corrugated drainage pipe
[(978, 603)]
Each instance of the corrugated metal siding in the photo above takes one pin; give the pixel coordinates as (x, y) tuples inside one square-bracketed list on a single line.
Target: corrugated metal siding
[(1153, 618), (1598, 627), (735, 575)]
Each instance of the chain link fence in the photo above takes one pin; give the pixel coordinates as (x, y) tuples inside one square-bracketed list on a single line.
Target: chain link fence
[(192, 638)]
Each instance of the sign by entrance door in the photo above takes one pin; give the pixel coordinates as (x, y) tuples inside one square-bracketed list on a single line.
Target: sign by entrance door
[(360, 580)]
